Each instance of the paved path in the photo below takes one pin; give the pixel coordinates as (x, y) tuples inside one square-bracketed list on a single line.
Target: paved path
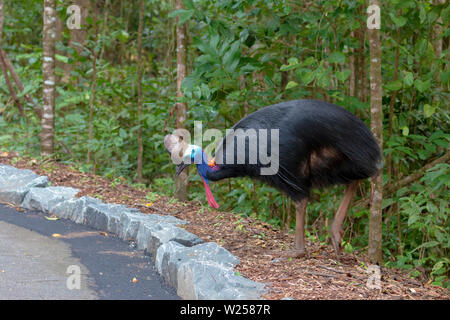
[(34, 265)]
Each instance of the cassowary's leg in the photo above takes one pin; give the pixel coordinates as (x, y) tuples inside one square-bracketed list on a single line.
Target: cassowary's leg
[(300, 210), (299, 244), (336, 230)]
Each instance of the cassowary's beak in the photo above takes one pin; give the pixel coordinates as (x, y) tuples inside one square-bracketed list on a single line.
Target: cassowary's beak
[(180, 168)]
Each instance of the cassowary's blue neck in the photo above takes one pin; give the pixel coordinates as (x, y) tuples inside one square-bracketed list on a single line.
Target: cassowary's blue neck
[(205, 170)]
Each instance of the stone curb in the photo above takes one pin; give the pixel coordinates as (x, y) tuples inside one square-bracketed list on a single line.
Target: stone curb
[(198, 270)]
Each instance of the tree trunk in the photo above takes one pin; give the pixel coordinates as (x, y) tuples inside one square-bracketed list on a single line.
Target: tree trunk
[(48, 69), (438, 47), (3, 65), (77, 36), (2, 19), (11, 89), (139, 88), (376, 107), (92, 100), (389, 160), (352, 63), (181, 182)]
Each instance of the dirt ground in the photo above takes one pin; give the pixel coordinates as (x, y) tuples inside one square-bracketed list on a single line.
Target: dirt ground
[(258, 245)]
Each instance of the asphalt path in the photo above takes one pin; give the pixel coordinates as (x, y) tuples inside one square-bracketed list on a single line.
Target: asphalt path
[(44, 259)]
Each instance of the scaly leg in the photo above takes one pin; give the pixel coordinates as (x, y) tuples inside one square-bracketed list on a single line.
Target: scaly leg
[(299, 244), (336, 230)]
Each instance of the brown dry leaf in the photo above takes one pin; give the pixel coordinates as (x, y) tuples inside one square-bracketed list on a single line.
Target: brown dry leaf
[(134, 280)]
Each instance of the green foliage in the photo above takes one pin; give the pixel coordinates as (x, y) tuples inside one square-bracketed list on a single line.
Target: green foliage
[(425, 224)]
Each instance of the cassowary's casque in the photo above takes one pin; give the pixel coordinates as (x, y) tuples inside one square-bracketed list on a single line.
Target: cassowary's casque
[(320, 144)]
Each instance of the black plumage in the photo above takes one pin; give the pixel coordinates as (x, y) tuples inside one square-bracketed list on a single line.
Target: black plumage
[(320, 144)]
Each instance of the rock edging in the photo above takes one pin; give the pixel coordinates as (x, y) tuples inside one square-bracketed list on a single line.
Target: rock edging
[(198, 270)]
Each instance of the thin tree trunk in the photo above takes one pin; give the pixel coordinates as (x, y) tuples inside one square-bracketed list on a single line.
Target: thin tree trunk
[(11, 89), (392, 105), (19, 83), (376, 107), (139, 88), (105, 24), (352, 63), (92, 100), (77, 36), (48, 68), (2, 20), (181, 182), (438, 46), (3, 64)]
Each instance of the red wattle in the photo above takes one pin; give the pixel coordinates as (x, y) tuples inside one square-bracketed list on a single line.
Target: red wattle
[(212, 202)]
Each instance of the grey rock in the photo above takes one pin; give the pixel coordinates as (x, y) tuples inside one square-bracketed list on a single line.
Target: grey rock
[(148, 224), (164, 232), (129, 225), (15, 183), (107, 217), (74, 209), (44, 199), (171, 255), (207, 280)]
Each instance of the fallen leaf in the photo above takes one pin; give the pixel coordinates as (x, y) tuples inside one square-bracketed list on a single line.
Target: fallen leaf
[(56, 235), (51, 218), (103, 233), (134, 280)]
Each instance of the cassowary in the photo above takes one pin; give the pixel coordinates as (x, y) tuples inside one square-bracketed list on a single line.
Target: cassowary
[(319, 144)]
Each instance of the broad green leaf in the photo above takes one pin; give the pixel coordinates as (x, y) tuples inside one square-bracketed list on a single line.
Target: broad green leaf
[(405, 131), (422, 86), (189, 4), (62, 58), (292, 64), (398, 20), (206, 93), (291, 84), (308, 61), (343, 75), (428, 110), (293, 60), (123, 36), (394, 85), (408, 79), (336, 57), (307, 76)]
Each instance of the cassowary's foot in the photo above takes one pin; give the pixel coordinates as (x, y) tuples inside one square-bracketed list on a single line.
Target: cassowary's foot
[(294, 253), (336, 238)]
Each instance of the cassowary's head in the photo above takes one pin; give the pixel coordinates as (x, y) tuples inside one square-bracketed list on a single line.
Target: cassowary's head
[(184, 154)]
